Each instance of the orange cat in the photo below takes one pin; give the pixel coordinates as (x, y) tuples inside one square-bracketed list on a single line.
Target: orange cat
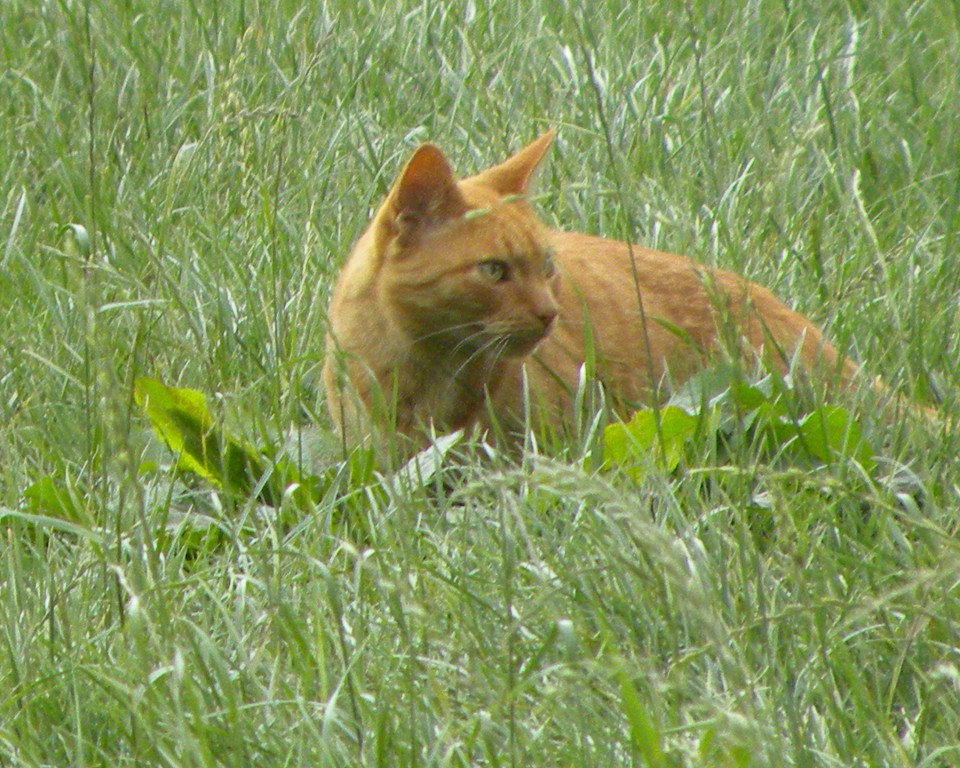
[(457, 300)]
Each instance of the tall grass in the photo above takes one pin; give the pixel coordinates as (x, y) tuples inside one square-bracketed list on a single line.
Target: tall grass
[(179, 183)]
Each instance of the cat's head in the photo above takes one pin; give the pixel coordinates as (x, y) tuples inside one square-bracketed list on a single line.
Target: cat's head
[(465, 265)]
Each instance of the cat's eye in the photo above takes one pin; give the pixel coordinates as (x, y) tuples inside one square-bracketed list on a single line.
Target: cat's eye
[(494, 269)]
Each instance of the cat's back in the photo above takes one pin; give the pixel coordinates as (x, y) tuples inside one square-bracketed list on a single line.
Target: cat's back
[(646, 314), (617, 269), (611, 284)]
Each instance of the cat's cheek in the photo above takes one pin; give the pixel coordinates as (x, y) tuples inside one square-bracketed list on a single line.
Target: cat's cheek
[(524, 349), (522, 344)]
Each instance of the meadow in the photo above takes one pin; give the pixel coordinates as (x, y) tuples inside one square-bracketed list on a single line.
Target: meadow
[(179, 184)]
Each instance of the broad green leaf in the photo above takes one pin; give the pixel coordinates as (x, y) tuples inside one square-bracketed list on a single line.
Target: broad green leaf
[(719, 405), (824, 434), (705, 388), (750, 397), (630, 444), (676, 428), (726, 386), (624, 445), (181, 419), (48, 497), (833, 431)]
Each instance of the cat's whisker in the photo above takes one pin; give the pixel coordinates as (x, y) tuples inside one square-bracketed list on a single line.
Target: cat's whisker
[(447, 331), (481, 351), (497, 356), (492, 350), (469, 341), (476, 342)]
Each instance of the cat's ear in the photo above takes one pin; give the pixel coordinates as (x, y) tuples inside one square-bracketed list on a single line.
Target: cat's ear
[(425, 193), (513, 176)]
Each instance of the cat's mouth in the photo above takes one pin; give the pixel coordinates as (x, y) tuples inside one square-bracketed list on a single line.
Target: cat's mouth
[(518, 343), (498, 341)]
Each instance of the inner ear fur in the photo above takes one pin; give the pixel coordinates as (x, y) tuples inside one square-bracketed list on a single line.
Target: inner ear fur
[(426, 191), (515, 175)]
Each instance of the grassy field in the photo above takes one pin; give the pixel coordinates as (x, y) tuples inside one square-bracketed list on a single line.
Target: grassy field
[(179, 183)]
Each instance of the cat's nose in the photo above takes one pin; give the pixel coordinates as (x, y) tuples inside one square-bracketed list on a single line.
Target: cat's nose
[(546, 315)]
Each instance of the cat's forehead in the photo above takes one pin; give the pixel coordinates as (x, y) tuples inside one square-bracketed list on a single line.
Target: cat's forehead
[(504, 229), (502, 224)]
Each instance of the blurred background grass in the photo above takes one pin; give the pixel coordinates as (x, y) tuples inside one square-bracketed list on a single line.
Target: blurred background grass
[(221, 158)]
